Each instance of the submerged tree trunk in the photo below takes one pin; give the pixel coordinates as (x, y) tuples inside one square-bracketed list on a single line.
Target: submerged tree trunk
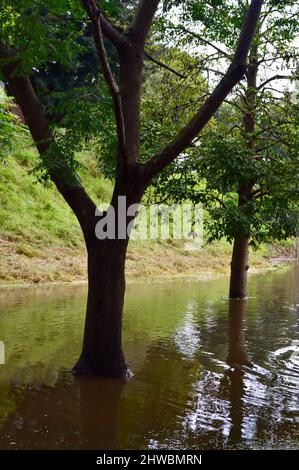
[(102, 352), (102, 346), (239, 268)]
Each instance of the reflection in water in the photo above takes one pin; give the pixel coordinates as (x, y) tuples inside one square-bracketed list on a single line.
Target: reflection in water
[(99, 412), (76, 413), (183, 395), (237, 354), (237, 357)]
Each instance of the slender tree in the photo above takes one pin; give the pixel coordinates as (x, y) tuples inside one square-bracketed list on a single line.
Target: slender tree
[(248, 157), (102, 346)]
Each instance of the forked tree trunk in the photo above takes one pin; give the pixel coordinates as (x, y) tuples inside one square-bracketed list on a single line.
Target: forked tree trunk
[(102, 352), (239, 268)]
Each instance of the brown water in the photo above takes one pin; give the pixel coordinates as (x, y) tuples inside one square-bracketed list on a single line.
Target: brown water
[(177, 338)]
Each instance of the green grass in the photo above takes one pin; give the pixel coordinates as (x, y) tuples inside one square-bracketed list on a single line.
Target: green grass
[(41, 241), (34, 212)]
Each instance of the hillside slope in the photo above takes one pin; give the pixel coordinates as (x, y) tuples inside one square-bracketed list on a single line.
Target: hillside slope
[(41, 241)]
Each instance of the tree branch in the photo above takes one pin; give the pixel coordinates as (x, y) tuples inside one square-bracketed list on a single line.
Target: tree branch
[(214, 71), (233, 75), (216, 198), (94, 15), (258, 194), (275, 77), (165, 66), (205, 41), (235, 105), (109, 30), (143, 20)]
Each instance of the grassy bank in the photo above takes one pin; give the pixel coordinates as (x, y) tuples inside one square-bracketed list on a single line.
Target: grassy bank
[(41, 241)]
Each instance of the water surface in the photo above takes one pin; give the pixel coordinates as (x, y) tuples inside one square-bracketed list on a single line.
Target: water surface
[(178, 337)]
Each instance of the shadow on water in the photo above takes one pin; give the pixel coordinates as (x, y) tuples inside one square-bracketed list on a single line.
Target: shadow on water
[(76, 413), (208, 373)]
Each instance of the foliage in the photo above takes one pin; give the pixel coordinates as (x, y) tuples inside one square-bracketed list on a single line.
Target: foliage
[(169, 100), (53, 39), (228, 156), (222, 163), (11, 129), (55, 47), (53, 42)]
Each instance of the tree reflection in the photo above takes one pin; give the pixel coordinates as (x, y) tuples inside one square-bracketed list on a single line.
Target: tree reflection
[(99, 406), (237, 357), (73, 414), (237, 354)]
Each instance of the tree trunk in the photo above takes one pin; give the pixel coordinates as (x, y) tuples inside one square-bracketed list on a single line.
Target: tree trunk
[(102, 345), (239, 268), (239, 264), (102, 352)]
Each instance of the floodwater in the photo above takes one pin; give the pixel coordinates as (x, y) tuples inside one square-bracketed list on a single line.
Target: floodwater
[(178, 337)]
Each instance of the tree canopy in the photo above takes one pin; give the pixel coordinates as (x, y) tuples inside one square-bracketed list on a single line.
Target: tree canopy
[(253, 138)]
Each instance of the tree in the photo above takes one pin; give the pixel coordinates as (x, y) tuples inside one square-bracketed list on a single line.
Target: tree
[(245, 165), (32, 42)]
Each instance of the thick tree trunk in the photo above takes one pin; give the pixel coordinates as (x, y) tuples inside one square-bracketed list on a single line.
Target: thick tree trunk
[(102, 352), (239, 268)]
